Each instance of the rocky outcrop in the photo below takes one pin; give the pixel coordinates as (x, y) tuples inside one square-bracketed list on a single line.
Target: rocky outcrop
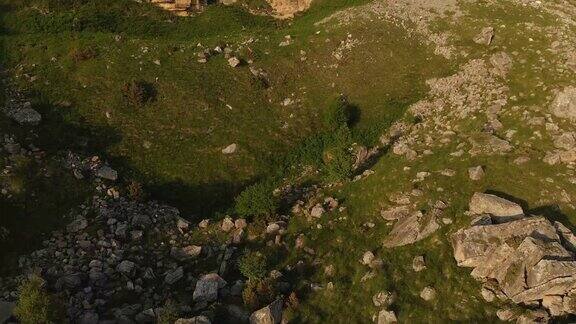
[(287, 8), (526, 259)]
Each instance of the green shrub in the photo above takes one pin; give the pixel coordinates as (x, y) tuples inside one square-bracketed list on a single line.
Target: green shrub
[(257, 200), (256, 294), (169, 313), (338, 114), (36, 305), (139, 92), (253, 265), (338, 164)]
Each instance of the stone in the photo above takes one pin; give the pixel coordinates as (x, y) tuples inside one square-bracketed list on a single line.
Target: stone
[(554, 304), (506, 314), (240, 223), (487, 294), (383, 299), (185, 253), (395, 213), (79, 224), (227, 224), (418, 264), (230, 149), (501, 62), (207, 288), (271, 314), (566, 236), (485, 36), (201, 319), (367, 258), (476, 173), (564, 105), (126, 267), (26, 116), (386, 317), (428, 293), (6, 309), (317, 211), (565, 141), (106, 172), (500, 209), (234, 61), (89, 318), (412, 229)]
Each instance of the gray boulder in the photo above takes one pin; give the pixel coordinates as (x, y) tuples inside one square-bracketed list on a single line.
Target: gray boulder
[(271, 314), (412, 229), (500, 209), (207, 288)]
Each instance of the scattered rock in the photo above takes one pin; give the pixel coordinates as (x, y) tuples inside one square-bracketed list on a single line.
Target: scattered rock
[(412, 229), (106, 172), (383, 299), (234, 61), (476, 173), (428, 293), (230, 149), (485, 37), (386, 317), (207, 288), (271, 314), (418, 264)]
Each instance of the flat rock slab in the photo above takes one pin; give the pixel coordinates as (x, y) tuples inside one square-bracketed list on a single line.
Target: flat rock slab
[(412, 229)]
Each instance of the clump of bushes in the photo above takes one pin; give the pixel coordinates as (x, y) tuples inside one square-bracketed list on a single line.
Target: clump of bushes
[(36, 305), (258, 293), (257, 200), (138, 92)]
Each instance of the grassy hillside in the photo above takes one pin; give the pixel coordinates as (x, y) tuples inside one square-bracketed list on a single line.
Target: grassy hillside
[(75, 57)]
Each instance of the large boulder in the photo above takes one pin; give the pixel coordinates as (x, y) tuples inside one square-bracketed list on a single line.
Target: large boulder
[(271, 314), (500, 209), (526, 259), (207, 288), (413, 228)]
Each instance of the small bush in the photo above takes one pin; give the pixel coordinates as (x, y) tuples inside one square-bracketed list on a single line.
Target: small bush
[(253, 265), (138, 93), (83, 54), (135, 191), (169, 313), (337, 159), (257, 200), (258, 293), (36, 305), (337, 115)]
